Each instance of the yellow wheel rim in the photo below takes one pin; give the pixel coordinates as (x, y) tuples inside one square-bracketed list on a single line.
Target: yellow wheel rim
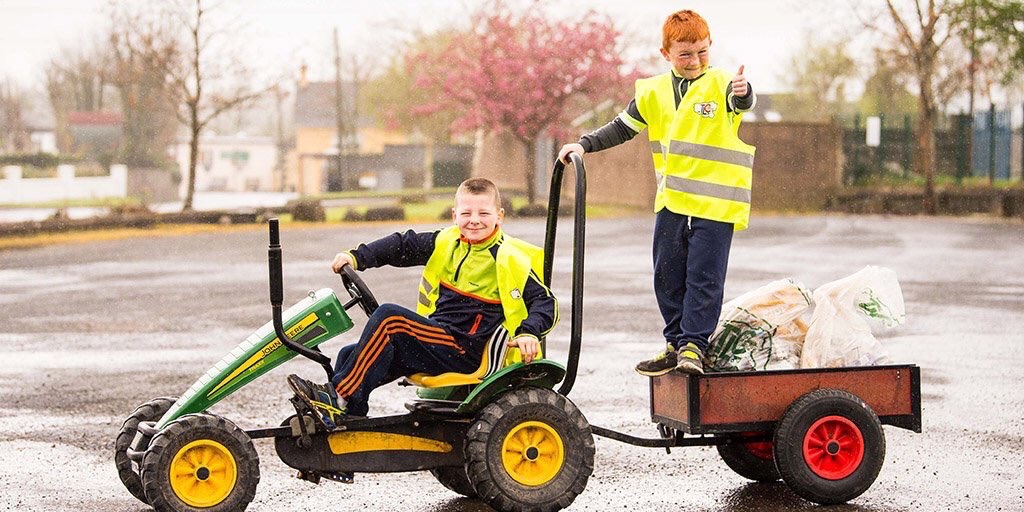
[(203, 473), (532, 453)]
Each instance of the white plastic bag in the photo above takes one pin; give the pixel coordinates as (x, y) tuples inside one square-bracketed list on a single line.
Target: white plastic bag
[(761, 329), (839, 333)]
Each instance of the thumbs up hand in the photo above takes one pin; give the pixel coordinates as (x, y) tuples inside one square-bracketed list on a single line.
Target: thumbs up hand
[(739, 84)]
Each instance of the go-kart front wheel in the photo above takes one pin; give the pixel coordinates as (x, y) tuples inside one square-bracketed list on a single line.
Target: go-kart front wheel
[(529, 450), (200, 462), (127, 469)]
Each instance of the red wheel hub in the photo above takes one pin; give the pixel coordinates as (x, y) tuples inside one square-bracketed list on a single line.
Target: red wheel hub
[(833, 447)]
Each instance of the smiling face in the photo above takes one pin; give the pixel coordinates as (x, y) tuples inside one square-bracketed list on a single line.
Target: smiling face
[(477, 215), (689, 59)]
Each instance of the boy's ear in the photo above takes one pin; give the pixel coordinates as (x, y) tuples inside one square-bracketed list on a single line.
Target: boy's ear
[(453, 214)]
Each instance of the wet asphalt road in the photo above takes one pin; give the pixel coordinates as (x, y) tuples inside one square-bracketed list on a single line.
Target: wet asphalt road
[(89, 331)]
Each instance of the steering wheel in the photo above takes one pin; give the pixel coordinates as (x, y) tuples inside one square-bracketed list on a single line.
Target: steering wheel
[(358, 290)]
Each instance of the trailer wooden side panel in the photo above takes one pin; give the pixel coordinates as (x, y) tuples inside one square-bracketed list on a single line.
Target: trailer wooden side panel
[(738, 401)]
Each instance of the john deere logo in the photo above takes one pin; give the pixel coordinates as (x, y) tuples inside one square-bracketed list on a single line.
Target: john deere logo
[(705, 109), (515, 293)]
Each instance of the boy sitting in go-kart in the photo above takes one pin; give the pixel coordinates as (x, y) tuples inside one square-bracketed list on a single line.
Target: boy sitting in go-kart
[(478, 284)]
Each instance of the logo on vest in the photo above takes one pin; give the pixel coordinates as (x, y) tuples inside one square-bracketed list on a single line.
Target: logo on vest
[(706, 109), (515, 293)]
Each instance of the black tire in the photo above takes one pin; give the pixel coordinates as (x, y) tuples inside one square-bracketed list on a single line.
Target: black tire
[(751, 460), (128, 470), (201, 449), (454, 478), (845, 446), (554, 444)]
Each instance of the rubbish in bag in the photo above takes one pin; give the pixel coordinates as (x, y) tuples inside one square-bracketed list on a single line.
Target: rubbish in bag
[(839, 333), (761, 329)]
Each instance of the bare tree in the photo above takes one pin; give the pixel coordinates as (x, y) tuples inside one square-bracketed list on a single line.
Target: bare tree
[(209, 80), (13, 132), (205, 77), (920, 29), (76, 80)]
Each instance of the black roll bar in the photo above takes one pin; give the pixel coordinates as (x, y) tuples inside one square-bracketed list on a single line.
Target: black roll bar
[(578, 244), (277, 298)]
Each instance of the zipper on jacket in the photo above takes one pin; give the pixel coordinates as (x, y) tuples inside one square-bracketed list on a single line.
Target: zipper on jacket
[(459, 267), (476, 324)]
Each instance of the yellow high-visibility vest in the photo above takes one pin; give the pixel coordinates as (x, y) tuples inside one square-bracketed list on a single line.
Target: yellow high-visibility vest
[(515, 259), (702, 167)]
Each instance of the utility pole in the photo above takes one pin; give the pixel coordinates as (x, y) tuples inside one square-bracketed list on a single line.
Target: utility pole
[(279, 165), (973, 82), (339, 105)]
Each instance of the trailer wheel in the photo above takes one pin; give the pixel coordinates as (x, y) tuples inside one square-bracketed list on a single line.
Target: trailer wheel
[(753, 460), (454, 478), (127, 469), (829, 446), (529, 450), (200, 462)]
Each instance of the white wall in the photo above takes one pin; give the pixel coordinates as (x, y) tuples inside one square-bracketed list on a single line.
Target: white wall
[(15, 189)]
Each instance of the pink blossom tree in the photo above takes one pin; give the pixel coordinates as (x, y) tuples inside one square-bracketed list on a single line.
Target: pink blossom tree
[(521, 72)]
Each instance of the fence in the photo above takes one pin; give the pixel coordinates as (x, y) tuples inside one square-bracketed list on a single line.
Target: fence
[(992, 139), (987, 147), (15, 189)]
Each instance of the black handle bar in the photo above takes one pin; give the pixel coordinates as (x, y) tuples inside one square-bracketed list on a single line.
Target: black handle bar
[(277, 297), (578, 243)]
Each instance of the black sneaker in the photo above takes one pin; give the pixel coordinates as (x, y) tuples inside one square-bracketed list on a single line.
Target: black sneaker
[(320, 398), (659, 364), (689, 359)]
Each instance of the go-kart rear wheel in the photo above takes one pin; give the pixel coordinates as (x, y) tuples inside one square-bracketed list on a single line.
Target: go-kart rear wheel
[(200, 462), (454, 478), (751, 459), (529, 450), (127, 469), (829, 446)]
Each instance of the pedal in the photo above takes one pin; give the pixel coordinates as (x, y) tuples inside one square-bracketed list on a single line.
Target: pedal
[(309, 476), (302, 425), (345, 477), (300, 406)]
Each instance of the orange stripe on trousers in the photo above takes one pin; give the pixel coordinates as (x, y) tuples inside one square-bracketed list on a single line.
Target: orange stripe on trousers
[(375, 347), (373, 350), (381, 337)]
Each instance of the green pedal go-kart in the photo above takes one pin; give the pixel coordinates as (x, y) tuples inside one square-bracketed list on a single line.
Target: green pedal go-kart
[(508, 439), (507, 436)]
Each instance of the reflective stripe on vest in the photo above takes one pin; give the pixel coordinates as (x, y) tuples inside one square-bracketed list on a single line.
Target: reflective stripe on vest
[(702, 167)]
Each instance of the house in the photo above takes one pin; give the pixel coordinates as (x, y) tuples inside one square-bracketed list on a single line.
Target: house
[(232, 163), (316, 136), (42, 134), (95, 134)]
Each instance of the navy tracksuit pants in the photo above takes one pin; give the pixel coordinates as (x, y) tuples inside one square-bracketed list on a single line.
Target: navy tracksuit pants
[(396, 342), (690, 259)]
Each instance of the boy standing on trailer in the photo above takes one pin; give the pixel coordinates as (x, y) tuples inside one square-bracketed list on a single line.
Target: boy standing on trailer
[(692, 114), (478, 285)]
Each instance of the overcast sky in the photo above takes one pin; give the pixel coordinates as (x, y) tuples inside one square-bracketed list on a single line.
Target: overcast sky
[(763, 35)]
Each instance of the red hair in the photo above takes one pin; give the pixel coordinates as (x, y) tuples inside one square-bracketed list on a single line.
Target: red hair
[(684, 26)]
